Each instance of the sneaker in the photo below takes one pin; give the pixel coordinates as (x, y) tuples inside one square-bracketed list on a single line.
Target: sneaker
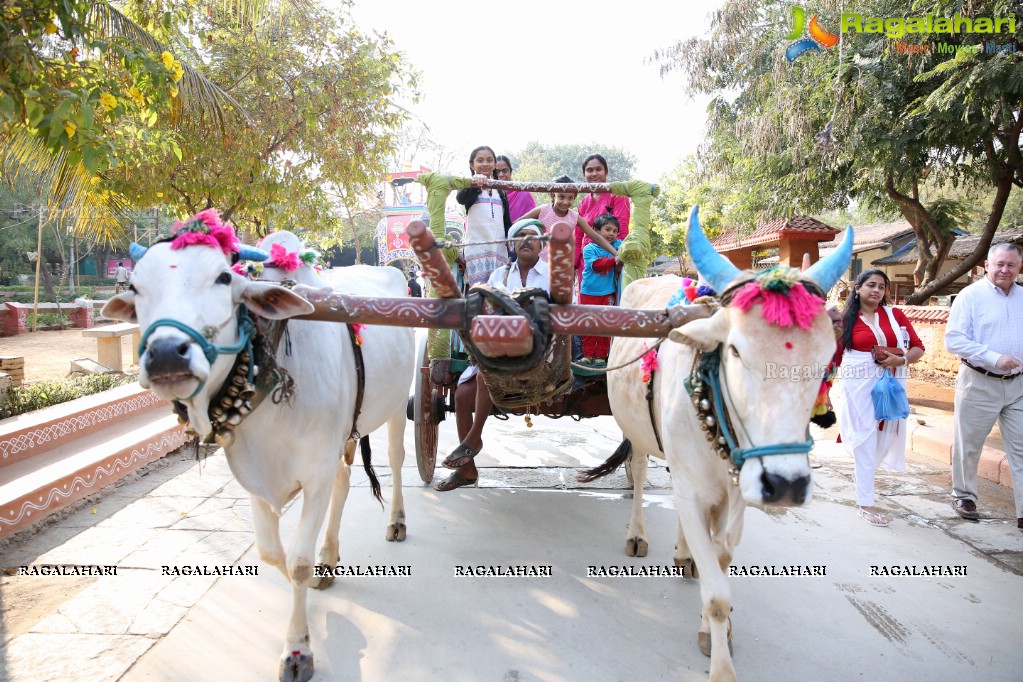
[(586, 361), (967, 509)]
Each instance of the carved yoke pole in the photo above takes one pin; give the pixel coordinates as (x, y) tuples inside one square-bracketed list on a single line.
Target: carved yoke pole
[(595, 320)]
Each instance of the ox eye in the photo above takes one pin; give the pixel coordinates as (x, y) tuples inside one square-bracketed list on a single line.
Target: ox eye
[(734, 351), (225, 278), (132, 289)]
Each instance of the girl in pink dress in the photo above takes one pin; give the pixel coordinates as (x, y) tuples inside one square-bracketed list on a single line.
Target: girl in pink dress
[(560, 211)]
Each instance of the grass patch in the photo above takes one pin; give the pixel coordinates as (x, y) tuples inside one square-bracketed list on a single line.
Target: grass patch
[(21, 399)]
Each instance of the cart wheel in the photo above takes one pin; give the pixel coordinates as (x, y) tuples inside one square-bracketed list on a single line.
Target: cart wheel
[(424, 415)]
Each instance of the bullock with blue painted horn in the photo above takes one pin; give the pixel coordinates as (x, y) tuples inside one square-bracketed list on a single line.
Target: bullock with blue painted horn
[(727, 403), (284, 403)]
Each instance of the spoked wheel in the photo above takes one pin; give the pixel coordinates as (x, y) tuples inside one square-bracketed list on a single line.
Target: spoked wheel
[(427, 407)]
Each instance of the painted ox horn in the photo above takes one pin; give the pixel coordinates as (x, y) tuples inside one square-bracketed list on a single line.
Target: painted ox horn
[(827, 271), (136, 251), (716, 270), (719, 272), (246, 252)]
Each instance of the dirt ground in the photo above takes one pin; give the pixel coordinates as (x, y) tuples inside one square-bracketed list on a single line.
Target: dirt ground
[(48, 354)]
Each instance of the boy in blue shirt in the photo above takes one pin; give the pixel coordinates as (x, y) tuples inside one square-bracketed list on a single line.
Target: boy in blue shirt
[(600, 284)]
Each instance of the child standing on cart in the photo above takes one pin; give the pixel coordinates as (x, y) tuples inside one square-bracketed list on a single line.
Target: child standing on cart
[(560, 211), (600, 284), (486, 220)]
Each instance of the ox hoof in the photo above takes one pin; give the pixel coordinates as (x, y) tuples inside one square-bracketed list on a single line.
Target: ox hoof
[(323, 577), (689, 568), (396, 531), (704, 641), (296, 667), (636, 547)]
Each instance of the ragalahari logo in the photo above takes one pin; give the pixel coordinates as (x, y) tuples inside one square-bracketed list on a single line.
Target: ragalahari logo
[(819, 37)]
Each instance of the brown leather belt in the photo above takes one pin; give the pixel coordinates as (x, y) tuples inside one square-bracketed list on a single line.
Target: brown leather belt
[(1004, 377)]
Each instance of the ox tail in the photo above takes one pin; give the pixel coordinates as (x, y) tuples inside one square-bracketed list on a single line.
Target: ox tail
[(610, 464), (367, 464)]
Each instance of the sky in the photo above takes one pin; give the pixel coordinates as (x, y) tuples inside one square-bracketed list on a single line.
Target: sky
[(505, 73)]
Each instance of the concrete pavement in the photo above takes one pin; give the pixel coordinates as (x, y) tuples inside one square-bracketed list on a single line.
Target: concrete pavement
[(432, 625)]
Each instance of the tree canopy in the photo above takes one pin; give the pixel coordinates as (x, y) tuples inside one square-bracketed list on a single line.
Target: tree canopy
[(538, 162), (863, 120), (198, 103)]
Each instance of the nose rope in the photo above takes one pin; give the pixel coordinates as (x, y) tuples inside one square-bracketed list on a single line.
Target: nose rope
[(708, 372), (210, 350)]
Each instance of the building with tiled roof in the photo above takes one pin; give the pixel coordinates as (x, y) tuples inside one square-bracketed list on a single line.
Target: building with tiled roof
[(793, 237)]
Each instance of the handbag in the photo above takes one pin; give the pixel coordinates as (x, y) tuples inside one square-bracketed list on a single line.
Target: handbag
[(890, 399), (879, 355)]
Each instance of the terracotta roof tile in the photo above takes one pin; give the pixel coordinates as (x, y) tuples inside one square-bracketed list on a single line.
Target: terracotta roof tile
[(772, 231), (926, 314)]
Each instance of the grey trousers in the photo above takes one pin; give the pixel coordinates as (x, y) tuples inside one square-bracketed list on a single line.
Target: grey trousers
[(979, 401)]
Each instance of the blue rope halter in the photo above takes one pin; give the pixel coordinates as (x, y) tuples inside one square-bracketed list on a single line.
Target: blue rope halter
[(708, 371), (246, 327)]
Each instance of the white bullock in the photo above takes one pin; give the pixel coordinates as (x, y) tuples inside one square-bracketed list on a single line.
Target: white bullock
[(766, 412), (187, 300)]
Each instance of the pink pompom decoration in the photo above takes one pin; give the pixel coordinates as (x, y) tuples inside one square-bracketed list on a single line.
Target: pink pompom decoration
[(649, 364), (690, 292), (357, 328), (205, 229), (284, 259), (686, 281), (796, 307), (240, 268)]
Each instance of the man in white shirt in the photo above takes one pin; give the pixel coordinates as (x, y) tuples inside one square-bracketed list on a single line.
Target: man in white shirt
[(120, 277), (985, 329), (472, 399)]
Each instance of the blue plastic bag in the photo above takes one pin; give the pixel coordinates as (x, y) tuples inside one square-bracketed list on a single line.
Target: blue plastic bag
[(890, 399)]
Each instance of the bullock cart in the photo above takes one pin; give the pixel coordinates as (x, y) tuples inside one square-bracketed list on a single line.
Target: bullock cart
[(739, 436), (520, 343)]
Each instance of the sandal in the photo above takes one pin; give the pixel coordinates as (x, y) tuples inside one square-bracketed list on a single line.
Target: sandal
[(873, 518), (459, 457), (455, 480)]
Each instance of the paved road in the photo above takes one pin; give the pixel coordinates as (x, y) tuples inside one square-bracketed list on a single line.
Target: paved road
[(845, 625)]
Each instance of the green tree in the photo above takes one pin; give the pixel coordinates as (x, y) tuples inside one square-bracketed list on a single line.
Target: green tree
[(537, 162), (81, 82), (320, 97), (858, 122)]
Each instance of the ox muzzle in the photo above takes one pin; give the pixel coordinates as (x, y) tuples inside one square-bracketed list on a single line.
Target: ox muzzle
[(169, 360)]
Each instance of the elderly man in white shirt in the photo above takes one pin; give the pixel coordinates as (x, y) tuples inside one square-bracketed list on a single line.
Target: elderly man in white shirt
[(985, 329), (472, 399)]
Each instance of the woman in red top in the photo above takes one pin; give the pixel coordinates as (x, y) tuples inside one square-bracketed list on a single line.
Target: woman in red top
[(593, 205), (869, 322)]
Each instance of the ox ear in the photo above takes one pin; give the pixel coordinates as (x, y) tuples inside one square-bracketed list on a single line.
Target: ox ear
[(705, 334), (121, 307), (274, 302)]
